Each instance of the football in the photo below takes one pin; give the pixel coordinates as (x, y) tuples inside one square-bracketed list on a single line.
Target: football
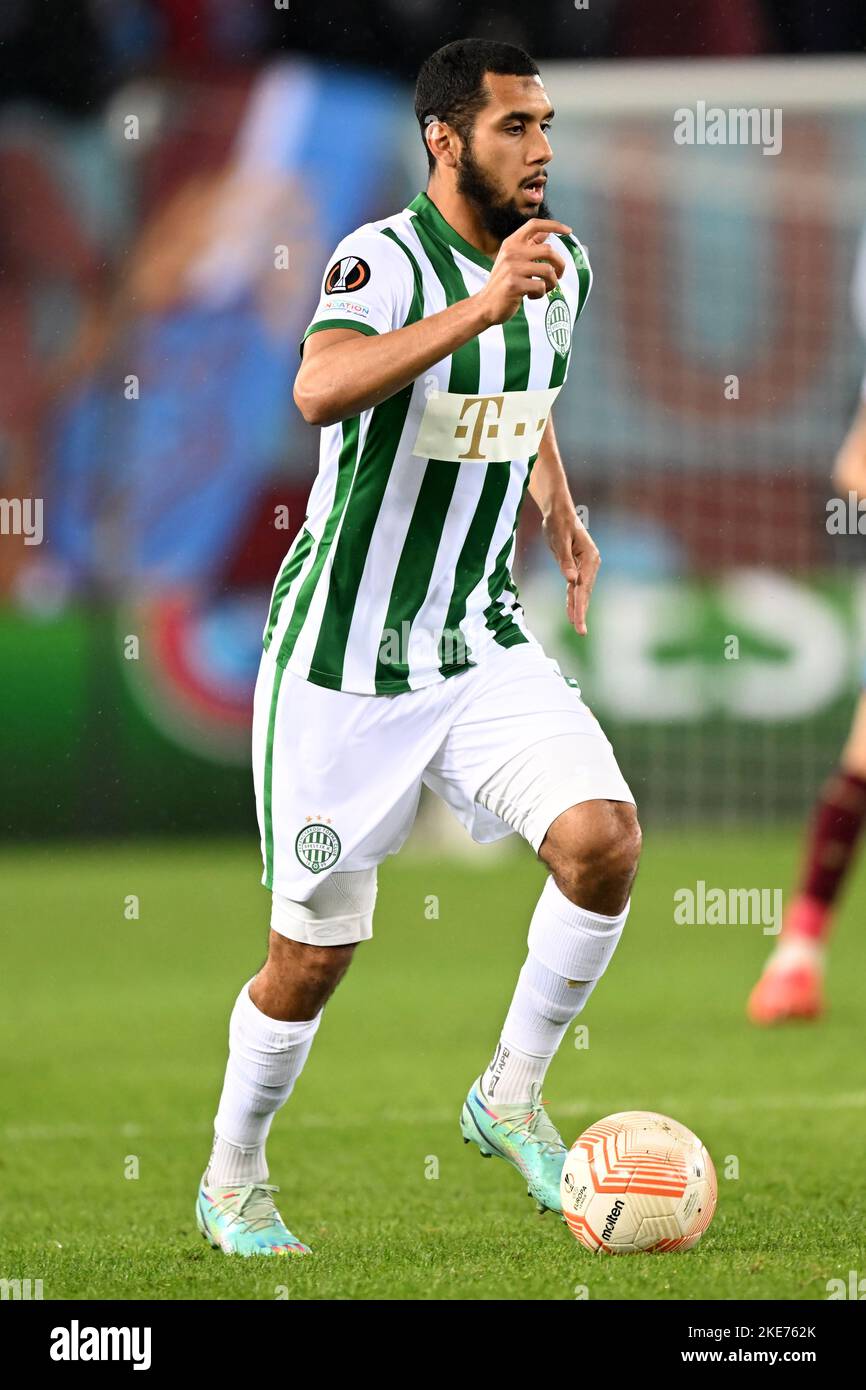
[(638, 1182)]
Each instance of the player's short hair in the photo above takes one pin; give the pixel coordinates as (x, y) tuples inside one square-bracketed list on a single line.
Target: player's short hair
[(450, 85)]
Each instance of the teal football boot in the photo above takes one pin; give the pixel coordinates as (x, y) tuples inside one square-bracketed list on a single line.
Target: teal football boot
[(522, 1134), (241, 1219)]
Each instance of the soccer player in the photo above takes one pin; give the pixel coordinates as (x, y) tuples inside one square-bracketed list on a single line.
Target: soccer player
[(396, 651), (792, 983)]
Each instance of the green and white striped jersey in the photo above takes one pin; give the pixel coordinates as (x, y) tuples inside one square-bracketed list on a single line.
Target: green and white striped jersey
[(400, 575)]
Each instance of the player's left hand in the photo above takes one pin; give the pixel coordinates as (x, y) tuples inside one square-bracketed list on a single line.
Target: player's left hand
[(577, 556)]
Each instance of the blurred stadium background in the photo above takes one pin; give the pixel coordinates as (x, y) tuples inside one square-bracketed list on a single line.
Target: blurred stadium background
[(175, 176)]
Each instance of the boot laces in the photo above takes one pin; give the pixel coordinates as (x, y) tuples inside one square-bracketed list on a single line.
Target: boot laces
[(256, 1207), (529, 1121)]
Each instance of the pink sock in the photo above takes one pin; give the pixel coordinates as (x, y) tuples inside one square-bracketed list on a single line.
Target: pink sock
[(807, 917)]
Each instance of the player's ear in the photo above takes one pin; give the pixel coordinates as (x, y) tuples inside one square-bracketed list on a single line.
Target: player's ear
[(442, 142)]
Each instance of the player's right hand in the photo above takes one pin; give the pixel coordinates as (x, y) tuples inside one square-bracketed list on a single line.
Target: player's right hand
[(526, 266)]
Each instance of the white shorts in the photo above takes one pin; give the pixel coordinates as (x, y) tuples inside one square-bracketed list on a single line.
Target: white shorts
[(508, 745)]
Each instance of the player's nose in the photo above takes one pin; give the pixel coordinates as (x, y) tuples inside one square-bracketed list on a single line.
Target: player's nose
[(542, 151)]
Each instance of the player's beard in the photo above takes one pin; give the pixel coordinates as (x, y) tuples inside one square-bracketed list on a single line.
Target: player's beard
[(498, 215)]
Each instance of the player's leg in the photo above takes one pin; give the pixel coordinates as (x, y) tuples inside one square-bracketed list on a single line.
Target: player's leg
[(592, 852), (327, 817), (791, 985), (544, 768), (271, 1032)]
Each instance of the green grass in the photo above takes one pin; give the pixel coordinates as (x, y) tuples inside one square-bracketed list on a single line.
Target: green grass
[(113, 1036)]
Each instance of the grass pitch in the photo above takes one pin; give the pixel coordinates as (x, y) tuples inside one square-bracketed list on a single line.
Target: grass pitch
[(114, 1035)]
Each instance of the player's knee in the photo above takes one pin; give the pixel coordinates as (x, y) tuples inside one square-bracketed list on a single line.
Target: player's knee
[(292, 958), (629, 836), (600, 845), (297, 980), (616, 844)]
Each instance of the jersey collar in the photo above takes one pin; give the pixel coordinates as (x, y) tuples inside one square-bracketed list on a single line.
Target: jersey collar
[(432, 218)]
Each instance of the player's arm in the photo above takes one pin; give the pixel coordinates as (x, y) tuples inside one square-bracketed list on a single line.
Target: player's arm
[(345, 372), (849, 469), (573, 547)]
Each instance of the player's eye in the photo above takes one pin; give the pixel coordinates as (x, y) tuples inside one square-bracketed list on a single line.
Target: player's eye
[(514, 130)]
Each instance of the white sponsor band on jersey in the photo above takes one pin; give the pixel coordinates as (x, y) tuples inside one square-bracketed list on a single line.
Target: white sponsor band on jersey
[(484, 429)]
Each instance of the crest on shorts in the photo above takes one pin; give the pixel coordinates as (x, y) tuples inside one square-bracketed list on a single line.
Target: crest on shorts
[(317, 846), (557, 322)]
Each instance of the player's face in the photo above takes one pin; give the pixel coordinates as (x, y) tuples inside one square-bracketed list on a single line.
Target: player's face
[(502, 170)]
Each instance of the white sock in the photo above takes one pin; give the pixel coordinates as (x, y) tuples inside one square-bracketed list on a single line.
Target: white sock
[(510, 1074), (229, 1163), (569, 950), (572, 940), (266, 1057), (543, 1006)]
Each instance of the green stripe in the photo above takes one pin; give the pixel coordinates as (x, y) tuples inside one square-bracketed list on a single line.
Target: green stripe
[(518, 351), (502, 624), (424, 535), (291, 569), (560, 364), (581, 265), (466, 361), (427, 213), (362, 510), (304, 597), (472, 561), (416, 308), (268, 781), (322, 324)]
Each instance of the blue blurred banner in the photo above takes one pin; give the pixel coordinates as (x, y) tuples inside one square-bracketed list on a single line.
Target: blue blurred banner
[(156, 457)]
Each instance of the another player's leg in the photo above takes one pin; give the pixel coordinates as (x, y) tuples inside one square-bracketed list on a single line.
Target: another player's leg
[(274, 1021), (592, 852), (791, 986)]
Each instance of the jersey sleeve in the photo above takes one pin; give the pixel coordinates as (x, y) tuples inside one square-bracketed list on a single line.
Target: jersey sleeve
[(368, 285)]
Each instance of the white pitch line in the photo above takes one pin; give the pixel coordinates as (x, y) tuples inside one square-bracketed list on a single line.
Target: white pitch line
[(28, 1134)]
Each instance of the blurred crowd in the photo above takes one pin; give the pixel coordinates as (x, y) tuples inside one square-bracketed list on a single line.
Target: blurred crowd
[(73, 53)]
